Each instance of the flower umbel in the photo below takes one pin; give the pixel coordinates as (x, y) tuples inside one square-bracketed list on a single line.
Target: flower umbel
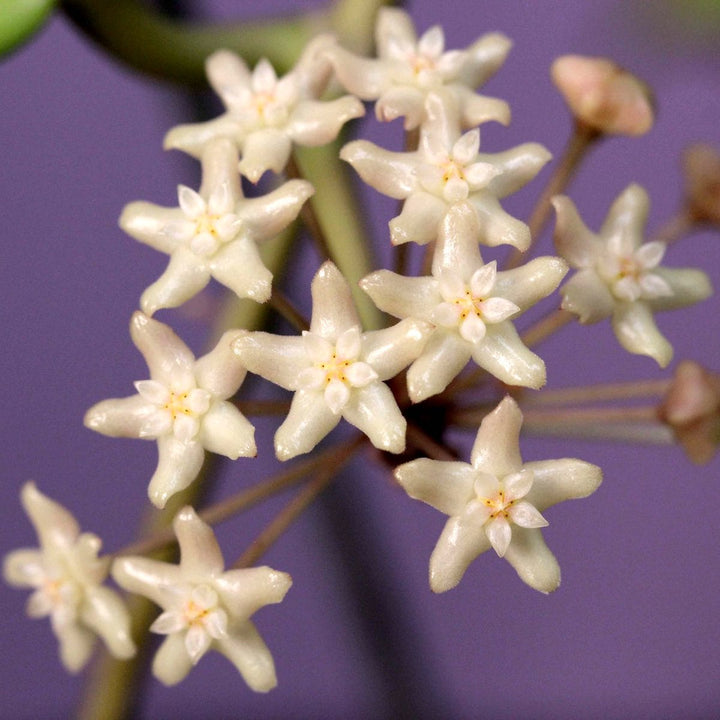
[(203, 607), (496, 501), (183, 406), (66, 576)]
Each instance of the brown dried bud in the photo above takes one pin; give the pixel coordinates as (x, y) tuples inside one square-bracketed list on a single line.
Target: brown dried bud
[(691, 408), (701, 164), (604, 96)]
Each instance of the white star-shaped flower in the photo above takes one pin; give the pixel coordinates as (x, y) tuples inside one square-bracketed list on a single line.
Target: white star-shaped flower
[(335, 370), (204, 607), (66, 576), (619, 276), (407, 68), (183, 406), (496, 501), (213, 233), (470, 305), (265, 115), (445, 171)]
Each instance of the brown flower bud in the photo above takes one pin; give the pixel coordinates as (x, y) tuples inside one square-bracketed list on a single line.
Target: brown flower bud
[(691, 407), (701, 164), (604, 96)]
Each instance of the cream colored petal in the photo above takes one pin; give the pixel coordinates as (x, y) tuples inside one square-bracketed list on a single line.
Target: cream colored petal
[(152, 224), (247, 651), (55, 526), (307, 423), (688, 286), (245, 591), (178, 465), (457, 248), (446, 486), (238, 266), (367, 78), (402, 296), (220, 371), (192, 138), (200, 555), (628, 215), (119, 417), (277, 358), (532, 559), (264, 217), (564, 479), (23, 567), (374, 411), (315, 122), (401, 101), (528, 284), (573, 241), (168, 358), (498, 227), (419, 221), (172, 663), (483, 58), (637, 332), (333, 308), (443, 357), (587, 296), (226, 70), (76, 646), (151, 578), (391, 350), (186, 275), (393, 25), (390, 173), (104, 612), (503, 354), (479, 109), (226, 431), (516, 167), (265, 149), (463, 538), (496, 449)]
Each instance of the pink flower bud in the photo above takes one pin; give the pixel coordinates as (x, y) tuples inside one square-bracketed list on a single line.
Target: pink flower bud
[(603, 95)]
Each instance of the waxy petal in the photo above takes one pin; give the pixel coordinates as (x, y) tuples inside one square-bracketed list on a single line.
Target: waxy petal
[(637, 332), (333, 308), (586, 295), (226, 431), (558, 480), (532, 559), (178, 465), (496, 449), (239, 267), (442, 359), (446, 486), (373, 410), (307, 423), (277, 358), (391, 350)]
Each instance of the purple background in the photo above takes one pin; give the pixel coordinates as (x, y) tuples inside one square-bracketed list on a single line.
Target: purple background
[(633, 630)]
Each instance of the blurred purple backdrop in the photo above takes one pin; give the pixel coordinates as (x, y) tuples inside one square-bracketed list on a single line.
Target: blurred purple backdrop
[(633, 631)]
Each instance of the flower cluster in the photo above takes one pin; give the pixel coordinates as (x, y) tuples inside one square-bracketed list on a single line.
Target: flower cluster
[(463, 308)]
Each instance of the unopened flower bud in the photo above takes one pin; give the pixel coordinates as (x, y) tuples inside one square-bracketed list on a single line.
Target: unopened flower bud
[(604, 96), (691, 407), (701, 163)]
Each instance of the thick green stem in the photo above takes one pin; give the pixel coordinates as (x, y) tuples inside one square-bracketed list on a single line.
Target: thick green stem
[(170, 49)]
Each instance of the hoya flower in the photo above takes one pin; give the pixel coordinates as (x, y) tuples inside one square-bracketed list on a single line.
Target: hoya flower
[(603, 95), (445, 171), (471, 305), (620, 277), (335, 370), (205, 608), (214, 232), (496, 501), (66, 576), (265, 115), (183, 406), (408, 68)]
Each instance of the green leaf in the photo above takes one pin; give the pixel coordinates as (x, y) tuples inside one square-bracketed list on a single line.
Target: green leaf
[(20, 20)]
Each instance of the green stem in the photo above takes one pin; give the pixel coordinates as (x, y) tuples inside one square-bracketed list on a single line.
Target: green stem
[(169, 49)]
